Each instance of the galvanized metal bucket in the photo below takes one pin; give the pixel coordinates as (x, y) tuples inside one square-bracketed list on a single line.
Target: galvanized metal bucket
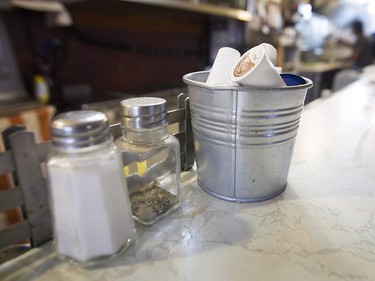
[(243, 137)]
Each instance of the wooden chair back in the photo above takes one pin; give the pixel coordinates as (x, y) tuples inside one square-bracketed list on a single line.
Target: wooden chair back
[(23, 159)]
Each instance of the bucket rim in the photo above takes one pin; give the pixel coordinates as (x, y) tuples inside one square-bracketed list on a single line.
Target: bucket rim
[(187, 79)]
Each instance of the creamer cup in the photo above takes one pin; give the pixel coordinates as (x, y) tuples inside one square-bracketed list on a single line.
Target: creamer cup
[(254, 68), (271, 52), (220, 71)]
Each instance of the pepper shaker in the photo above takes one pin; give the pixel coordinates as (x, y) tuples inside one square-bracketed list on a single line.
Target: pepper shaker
[(150, 158)]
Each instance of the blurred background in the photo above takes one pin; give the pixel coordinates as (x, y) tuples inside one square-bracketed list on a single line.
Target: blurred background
[(74, 54)]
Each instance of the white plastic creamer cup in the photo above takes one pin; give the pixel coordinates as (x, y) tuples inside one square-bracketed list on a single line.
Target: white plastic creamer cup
[(220, 72), (271, 52), (254, 68)]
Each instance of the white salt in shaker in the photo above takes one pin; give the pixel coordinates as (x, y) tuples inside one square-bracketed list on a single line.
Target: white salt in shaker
[(151, 158), (92, 215)]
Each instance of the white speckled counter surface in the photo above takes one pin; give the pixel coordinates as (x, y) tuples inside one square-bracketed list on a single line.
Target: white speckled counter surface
[(321, 228)]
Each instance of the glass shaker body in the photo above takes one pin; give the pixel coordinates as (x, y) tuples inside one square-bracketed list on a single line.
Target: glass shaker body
[(151, 160), (92, 216)]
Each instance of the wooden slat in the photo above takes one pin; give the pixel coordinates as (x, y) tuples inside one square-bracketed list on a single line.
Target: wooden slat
[(43, 149), (6, 163), (14, 233), (32, 184), (10, 198)]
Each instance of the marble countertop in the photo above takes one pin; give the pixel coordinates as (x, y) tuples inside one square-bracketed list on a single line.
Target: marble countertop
[(321, 228)]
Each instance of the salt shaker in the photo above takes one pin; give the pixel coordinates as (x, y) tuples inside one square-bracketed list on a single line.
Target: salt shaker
[(150, 158), (92, 215)]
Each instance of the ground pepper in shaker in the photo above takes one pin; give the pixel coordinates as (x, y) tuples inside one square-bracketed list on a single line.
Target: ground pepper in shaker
[(150, 157), (92, 216)]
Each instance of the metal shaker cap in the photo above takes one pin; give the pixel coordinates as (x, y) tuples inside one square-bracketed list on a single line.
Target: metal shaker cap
[(143, 112), (81, 128)]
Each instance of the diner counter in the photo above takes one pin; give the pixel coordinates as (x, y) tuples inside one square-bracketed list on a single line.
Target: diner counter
[(320, 67), (321, 228)]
